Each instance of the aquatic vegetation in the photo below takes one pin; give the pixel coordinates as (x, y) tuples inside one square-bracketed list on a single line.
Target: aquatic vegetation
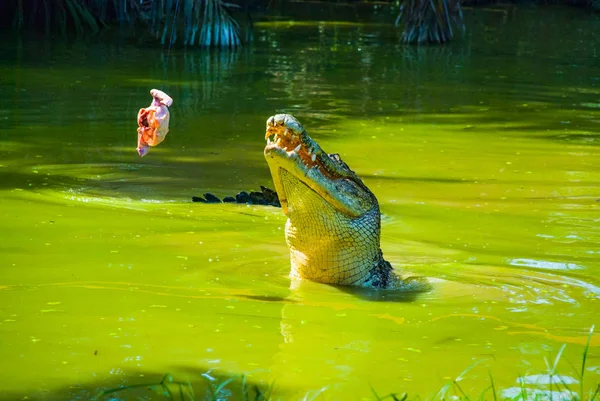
[(170, 389), (167, 388), (532, 387)]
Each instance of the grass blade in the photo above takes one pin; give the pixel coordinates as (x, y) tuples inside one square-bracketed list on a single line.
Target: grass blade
[(593, 397), (583, 361), (493, 386)]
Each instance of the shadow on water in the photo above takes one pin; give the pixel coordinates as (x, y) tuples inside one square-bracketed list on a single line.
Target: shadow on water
[(267, 298), (369, 294), (178, 180)]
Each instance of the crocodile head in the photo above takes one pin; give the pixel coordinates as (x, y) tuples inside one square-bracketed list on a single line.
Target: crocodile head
[(333, 226)]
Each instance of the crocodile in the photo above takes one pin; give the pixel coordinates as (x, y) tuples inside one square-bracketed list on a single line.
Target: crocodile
[(334, 222)]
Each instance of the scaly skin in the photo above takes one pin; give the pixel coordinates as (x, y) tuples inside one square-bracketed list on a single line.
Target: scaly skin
[(334, 223)]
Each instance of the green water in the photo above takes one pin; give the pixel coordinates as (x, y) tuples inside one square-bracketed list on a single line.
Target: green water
[(484, 155)]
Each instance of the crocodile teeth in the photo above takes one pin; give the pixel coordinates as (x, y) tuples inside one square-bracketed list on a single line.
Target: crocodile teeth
[(297, 148), (313, 157), (279, 141), (309, 151)]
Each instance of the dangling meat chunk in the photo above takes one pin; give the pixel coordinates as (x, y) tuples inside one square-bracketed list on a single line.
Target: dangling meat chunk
[(153, 121)]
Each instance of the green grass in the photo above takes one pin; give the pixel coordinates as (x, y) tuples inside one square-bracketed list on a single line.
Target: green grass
[(237, 388)]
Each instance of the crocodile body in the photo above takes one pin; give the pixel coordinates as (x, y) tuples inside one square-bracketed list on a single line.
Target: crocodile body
[(334, 222)]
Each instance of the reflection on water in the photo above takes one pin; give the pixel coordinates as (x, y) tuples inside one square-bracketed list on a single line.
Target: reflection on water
[(483, 155), (544, 264)]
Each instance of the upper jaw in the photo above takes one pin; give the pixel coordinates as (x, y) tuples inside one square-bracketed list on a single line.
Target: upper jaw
[(284, 132), (286, 150), (290, 148)]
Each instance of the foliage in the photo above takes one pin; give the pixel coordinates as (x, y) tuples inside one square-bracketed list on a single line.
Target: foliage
[(170, 389), (207, 23), (61, 14), (429, 21)]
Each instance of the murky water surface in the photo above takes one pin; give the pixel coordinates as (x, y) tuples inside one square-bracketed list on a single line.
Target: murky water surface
[(484, 154)]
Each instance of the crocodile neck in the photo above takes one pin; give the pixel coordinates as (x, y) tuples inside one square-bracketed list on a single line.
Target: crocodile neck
[(328, 246)]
